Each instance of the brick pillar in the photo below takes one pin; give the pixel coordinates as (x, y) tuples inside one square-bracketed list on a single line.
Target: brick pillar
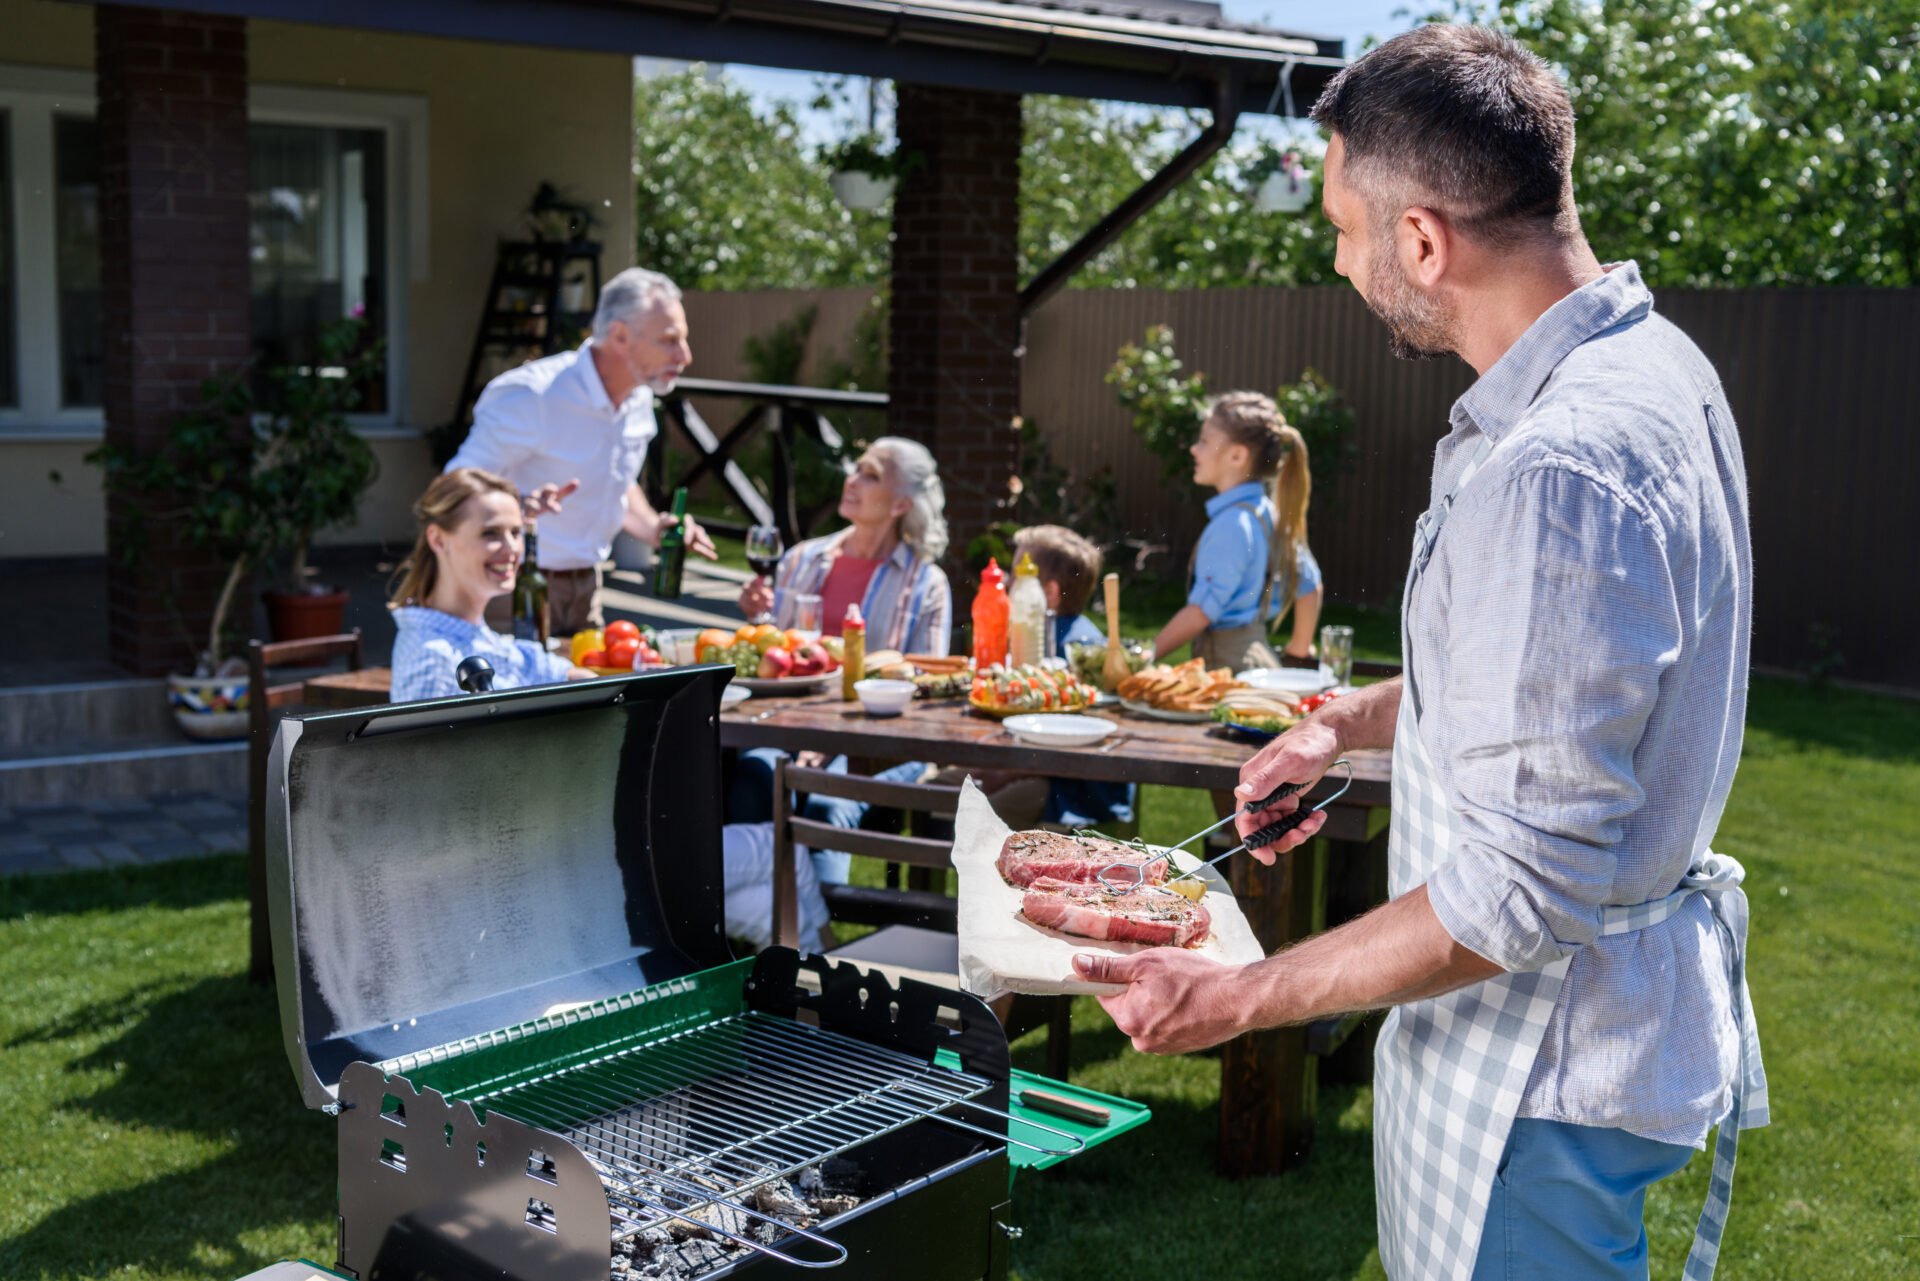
[(954, 380), (173, 250)]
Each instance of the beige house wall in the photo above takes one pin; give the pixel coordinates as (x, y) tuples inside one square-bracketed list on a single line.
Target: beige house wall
[(499, 119)]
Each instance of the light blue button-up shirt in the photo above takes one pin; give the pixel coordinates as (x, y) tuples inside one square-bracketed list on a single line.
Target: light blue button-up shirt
[(430, 644), (1579, 639), (1230, 562)]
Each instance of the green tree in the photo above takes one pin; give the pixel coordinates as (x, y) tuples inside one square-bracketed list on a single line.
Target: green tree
[(726, 197), (1740, 144)]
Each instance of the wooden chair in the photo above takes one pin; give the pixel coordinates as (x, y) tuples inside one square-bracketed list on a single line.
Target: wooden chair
[(262, 701), (917, 921)]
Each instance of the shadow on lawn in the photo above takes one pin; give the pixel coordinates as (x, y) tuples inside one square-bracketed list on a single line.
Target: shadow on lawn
[(1150, 1203), (1849, 721), (187, 884), (205, 1063)]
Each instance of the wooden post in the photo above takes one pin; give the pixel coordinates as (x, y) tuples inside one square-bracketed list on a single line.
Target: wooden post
[(1269, 1084)]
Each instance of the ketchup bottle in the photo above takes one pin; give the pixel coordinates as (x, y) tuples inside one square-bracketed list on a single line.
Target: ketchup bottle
[(990, 612)]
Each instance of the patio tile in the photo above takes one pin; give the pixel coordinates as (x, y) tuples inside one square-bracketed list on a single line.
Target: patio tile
[(45, 809), (226, 840), (23, 843), (10, 826), (116, 854), (79, 856), (24, 861), (56, 824), (172, 848)]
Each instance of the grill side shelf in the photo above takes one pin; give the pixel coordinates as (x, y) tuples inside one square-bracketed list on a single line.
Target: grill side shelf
[(499, 1061)]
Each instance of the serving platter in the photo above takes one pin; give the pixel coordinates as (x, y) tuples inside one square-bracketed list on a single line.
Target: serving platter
[(789, 685), (1290, 680), (1151, 712)]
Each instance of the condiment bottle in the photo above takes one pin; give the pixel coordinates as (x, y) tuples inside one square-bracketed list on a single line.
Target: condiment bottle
[(853, 651), (990, 610), (1026, 615)]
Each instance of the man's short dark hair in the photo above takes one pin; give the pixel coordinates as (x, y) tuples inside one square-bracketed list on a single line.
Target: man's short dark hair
[(1464, 119)]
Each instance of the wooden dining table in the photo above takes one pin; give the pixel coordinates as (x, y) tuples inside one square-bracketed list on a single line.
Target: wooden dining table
[(1269, 1081)]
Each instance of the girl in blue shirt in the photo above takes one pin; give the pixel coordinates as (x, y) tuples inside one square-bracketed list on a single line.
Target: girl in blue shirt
[(1252, 563)]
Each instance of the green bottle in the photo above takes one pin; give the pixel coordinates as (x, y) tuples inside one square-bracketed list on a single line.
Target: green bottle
[(672, 561), (531, 620)]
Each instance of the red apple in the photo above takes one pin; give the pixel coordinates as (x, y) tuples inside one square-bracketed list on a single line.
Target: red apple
[(775, 663), (812, 660)]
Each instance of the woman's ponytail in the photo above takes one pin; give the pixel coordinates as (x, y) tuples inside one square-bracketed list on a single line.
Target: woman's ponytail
[(1292, 488)]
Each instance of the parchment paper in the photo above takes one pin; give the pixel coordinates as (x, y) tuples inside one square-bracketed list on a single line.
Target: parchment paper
[(1002, 951)]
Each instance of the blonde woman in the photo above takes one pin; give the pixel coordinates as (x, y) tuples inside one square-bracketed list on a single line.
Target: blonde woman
[(1252, 563), (467, 553)]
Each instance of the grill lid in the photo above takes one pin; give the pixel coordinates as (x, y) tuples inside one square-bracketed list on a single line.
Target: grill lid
[(445, 869)]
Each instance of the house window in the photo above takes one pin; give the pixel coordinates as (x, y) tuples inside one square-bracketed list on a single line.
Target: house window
[(317, 240), (333, 232), (9, 349), (76, 266)]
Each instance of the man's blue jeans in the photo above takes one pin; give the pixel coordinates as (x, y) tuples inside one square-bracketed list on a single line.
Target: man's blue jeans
[(1569, 1203)]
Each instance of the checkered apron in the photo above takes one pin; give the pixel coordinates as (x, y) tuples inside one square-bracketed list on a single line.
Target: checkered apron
[(1449, 1072)]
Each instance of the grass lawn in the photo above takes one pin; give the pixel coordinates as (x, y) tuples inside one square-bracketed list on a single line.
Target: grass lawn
[(150, 1126)]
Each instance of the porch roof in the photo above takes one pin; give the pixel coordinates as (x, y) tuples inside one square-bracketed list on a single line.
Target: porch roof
[(1176, 53)]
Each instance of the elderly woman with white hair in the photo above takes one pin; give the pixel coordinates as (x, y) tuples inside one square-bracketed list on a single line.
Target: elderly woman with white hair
[(569, 431), (887, 561)]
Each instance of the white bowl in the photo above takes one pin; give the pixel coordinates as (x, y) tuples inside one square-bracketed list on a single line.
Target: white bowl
[(1059, 729), (883, 697), (1290, 680), (676, 645), (733, 696)]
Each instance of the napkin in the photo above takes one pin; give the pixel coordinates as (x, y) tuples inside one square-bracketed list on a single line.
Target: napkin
[(1001, 951)]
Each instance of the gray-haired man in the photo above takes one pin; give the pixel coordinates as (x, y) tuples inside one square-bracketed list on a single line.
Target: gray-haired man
[(571, 431)]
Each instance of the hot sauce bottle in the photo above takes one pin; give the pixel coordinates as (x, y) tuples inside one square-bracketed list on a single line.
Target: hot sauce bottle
[(990, 614)]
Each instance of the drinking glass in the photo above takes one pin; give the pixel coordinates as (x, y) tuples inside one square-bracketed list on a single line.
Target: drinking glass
[(1336, 651), (764, 547), (807, 615)]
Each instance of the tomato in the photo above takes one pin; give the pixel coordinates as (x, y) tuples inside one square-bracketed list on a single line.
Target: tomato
[(1314, 702), (648, 656), (593, 658), (620, 653), (622, 630)]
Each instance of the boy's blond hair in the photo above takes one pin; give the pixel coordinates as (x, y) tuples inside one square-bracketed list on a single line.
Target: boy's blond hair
[(1062, 557)]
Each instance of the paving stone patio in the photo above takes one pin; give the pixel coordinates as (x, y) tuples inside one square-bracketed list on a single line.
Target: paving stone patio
[(64, 837)]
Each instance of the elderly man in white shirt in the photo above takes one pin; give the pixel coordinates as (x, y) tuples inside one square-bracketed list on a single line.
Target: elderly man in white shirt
[(571, 430)]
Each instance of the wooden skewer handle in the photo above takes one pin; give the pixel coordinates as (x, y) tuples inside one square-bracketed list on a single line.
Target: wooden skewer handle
[(1062, 1106)]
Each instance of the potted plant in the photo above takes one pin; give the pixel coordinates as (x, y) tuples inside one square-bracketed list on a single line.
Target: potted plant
[(863, 171), (313, 468), (246, 486)]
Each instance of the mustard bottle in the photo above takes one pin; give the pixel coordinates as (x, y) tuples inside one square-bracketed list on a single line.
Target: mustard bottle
[(853, 651)]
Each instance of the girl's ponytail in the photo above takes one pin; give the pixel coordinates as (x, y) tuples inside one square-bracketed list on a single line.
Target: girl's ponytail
[(1292, 486)]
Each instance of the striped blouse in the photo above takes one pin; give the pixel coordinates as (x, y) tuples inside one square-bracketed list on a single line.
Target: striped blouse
[(908, 605)]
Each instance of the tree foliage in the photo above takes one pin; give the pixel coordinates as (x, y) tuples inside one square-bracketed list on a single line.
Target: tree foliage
[(1740, 143)]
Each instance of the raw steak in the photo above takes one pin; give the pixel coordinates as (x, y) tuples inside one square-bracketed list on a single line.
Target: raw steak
[(1028, 856), (1160, 917)]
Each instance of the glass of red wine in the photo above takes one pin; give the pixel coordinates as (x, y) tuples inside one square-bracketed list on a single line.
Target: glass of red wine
[(764, 548)]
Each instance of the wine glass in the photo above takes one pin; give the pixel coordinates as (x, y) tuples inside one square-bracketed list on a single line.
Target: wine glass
[(764, 548)]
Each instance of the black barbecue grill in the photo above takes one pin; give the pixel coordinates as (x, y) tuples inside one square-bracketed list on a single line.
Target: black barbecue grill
[(498, 944)]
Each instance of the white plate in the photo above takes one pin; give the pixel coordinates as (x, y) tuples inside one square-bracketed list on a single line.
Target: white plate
[(734, 695), (786, 684), (1165, 714), (1058, 729), (1291, 680)]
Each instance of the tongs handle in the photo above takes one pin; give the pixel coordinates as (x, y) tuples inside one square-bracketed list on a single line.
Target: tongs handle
[(1259, 839)]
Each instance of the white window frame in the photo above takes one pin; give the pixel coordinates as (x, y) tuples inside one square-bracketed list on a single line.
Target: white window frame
[(30, 97)]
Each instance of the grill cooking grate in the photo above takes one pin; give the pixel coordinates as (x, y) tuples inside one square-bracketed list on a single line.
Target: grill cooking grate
[(688, 1125)]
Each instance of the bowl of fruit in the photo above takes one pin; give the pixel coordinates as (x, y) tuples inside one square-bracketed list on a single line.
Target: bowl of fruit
[(619, 648), (768, 660)]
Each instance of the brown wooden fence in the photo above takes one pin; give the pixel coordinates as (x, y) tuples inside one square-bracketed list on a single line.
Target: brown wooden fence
[(1821, 382)]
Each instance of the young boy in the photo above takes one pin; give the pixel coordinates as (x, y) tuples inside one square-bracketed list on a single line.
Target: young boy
[(1069, 568)]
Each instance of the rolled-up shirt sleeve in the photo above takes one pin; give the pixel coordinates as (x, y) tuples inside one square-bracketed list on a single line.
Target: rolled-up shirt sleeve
[(1223, 562), (1555, 654)]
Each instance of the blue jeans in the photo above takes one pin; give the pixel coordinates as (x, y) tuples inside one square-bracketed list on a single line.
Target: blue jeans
[(1569, 1201), (750, 800)]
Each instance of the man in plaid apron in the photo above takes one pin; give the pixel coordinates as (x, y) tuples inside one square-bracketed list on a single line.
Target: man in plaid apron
[(1563, 951)]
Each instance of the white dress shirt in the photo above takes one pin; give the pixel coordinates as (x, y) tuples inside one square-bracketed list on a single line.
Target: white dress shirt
[(550, 421)]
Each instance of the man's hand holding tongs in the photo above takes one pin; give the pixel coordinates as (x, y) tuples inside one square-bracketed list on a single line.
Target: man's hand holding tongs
[(1301, 755)]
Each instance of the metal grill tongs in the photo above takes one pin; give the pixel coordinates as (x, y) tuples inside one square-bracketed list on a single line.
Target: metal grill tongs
[(1135, 874)]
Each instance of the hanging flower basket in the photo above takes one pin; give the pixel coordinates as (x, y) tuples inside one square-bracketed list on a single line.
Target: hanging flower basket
[(861, 192), (1288, 189)]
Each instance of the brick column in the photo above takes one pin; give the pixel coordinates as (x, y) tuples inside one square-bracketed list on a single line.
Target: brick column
[(954, 380), (173, 250)]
